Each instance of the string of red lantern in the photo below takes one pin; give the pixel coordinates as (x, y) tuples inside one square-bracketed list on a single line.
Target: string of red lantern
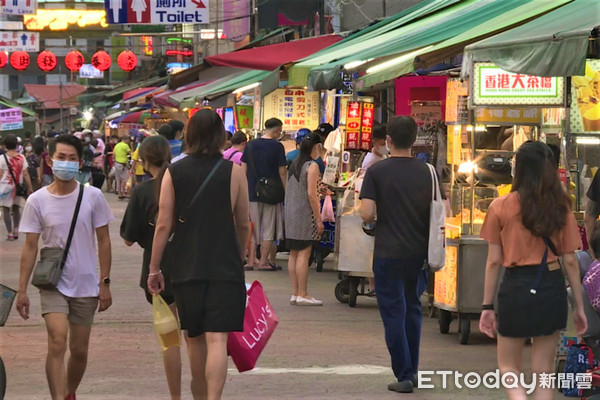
[(74, 60), (19, 60), (3, 59), (47, 61)]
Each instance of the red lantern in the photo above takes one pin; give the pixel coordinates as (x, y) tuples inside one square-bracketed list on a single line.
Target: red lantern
[(127, 60), (3, 59), (19, 60), (74, 60), (101, 60), (47, 61)]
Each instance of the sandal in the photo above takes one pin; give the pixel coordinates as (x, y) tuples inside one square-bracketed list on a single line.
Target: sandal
[(269, 267), (276, 266), (249, 267)]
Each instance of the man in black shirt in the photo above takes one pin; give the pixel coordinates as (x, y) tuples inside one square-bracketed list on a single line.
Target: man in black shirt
[(398, 191)]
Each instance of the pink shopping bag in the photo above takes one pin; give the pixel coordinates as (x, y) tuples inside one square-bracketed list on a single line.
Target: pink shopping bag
[(260, 322)]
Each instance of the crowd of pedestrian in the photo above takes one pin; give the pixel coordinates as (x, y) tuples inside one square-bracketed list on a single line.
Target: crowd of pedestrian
[(203, 207)]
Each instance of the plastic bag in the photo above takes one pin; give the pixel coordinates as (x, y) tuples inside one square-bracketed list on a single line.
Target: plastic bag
[(165, 323), (327, 214)]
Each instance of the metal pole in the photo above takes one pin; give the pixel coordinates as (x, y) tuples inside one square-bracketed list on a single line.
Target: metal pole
[(217, 30), (384, 8), (322, 17), (60, 96)]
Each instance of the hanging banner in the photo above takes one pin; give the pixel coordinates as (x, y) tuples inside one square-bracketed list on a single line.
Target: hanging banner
[(494, 86), (236, 25), (157, 11), (11, 119), (19, 41), (90, 72), (585, 100), (353, 120), (245, 116), (366, 130), (18, 7), (297, 108)]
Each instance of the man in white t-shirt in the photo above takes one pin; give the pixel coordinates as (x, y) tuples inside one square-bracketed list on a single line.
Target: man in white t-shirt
[(379, 151), (69, 309)]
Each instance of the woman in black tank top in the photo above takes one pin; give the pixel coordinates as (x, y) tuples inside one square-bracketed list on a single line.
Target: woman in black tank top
[(209, 197)]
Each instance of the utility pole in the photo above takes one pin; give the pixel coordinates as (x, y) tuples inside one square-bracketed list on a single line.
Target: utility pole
[(384, 8), (322, 17), (217, 29), (60, 97)]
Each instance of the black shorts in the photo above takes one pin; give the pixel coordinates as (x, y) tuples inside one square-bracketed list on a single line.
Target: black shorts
[(294, 244), (210, 306), (522, 314)]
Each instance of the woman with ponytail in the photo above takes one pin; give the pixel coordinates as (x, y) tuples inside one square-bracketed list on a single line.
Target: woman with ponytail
[(138, 226)]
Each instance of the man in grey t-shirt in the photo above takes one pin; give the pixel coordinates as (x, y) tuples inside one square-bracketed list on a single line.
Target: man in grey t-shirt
[(69, 309)]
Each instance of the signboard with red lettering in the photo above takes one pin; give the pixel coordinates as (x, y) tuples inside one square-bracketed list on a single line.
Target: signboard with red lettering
[(495, 86), (366, 130), (245, 116), (11, 119), (353, 124), (297, 108), (19, 41)]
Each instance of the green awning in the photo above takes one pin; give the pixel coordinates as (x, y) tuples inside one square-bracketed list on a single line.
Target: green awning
[(298, 73), (11, 104), (555, 44), (268, 79), (433, 29), (404, 63)]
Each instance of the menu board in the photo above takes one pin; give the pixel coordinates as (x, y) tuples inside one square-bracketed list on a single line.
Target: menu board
[(297, 108)]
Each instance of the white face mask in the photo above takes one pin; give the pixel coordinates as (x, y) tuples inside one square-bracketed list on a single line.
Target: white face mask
[(28, 148), (383, 150)]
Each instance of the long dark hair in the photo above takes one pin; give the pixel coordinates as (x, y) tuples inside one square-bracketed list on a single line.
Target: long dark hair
[(155, 150), (306, 148), (205, 134), (544, 202)]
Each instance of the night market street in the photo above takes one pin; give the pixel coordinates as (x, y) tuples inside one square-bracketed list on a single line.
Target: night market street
[(329, 352)]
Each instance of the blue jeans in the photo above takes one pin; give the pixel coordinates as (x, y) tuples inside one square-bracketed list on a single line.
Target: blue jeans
[(399, 285)]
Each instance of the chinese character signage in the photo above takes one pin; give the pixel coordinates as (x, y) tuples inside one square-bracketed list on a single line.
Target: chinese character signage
[(19, 41), (353, 120), (60, 20), (236, 25), (297, 108), (457, 92), (11, 119), (508, 116), (445, 280), (245, 116), (494, 86), (366, 130), (585, 100), (157, 11), (18, 7)]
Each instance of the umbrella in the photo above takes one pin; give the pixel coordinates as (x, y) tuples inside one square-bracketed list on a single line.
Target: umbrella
[(136, 117)]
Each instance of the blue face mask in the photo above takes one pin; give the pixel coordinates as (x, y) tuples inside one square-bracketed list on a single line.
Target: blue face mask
[(65, 170)]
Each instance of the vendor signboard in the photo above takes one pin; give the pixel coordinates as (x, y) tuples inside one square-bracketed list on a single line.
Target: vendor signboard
[(297, 108), (585, 100), (353, 125), (495, 86), (11, 119)]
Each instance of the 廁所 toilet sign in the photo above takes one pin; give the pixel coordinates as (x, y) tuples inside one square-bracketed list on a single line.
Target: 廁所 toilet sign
[(157, 11)]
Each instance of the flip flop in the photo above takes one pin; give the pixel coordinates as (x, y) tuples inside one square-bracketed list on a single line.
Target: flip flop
[(269, 268), (276, 267), (249, 267)]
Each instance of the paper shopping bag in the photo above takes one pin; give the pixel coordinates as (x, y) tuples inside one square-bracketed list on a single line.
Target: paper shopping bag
[(260, 322)]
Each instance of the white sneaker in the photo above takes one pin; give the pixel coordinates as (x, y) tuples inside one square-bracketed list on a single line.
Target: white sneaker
[(302, 301), (293, 300)]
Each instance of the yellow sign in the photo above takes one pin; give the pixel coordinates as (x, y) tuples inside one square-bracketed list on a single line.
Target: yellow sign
[(445, 280), (454, 144), (512, 116), (60, 20), (297, 108)]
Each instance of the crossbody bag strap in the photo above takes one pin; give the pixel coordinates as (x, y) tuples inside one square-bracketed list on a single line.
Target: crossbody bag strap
[(200, 190), (10, 170), (72, 229), (543, 264)]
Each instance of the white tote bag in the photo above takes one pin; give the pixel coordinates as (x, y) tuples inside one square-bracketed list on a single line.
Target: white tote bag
[(436, 252)]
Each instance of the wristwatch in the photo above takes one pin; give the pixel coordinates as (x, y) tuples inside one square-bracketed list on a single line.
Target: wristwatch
[(106, 281)]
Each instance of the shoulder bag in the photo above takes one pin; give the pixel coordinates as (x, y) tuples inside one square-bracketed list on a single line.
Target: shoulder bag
[(268, 190), (436, 251), (21, 189), (48, 270)]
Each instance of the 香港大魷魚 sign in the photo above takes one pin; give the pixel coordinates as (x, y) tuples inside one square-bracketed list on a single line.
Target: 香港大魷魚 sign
[(157, 11), (494, 86)]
